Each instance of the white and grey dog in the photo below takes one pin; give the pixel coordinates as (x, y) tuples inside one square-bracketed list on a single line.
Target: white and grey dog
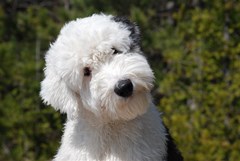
[(95, 73)]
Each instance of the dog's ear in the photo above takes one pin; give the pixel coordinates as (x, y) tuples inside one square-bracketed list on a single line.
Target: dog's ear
[(55, 92), (61, 72)]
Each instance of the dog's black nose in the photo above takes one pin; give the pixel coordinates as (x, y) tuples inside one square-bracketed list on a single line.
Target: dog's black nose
[(124, 88)]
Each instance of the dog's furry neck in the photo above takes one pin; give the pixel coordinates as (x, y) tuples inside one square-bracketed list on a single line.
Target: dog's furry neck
[(106, 138)]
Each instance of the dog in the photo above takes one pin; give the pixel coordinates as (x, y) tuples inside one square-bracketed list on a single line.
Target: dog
[(97, 74)]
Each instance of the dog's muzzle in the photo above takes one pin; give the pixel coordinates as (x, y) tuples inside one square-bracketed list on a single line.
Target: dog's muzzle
[(124, 88)]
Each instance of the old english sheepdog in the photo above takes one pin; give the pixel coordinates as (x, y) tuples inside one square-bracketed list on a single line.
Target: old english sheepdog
[(96, 73)]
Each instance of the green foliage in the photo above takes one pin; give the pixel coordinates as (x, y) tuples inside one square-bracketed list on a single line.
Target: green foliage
[(200, 85), (193, 47)]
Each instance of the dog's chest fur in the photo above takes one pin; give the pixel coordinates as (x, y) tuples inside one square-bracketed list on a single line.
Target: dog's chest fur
[(141, 139)]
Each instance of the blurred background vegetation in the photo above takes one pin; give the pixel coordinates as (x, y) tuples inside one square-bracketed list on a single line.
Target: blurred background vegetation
[(192, 45)]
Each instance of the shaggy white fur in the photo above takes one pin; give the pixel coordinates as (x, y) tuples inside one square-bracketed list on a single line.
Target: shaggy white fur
[(83, 69)]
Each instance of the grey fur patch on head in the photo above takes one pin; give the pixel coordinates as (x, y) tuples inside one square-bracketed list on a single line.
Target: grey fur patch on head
[(132, 27)]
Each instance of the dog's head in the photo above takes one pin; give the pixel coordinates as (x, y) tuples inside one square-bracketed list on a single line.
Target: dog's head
[(96, 63)]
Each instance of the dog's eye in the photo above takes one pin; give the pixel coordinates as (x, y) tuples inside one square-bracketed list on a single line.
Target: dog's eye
[(115, 51), (87, 71)]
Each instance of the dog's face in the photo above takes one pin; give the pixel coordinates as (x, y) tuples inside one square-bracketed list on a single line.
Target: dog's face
[(96, 64)]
